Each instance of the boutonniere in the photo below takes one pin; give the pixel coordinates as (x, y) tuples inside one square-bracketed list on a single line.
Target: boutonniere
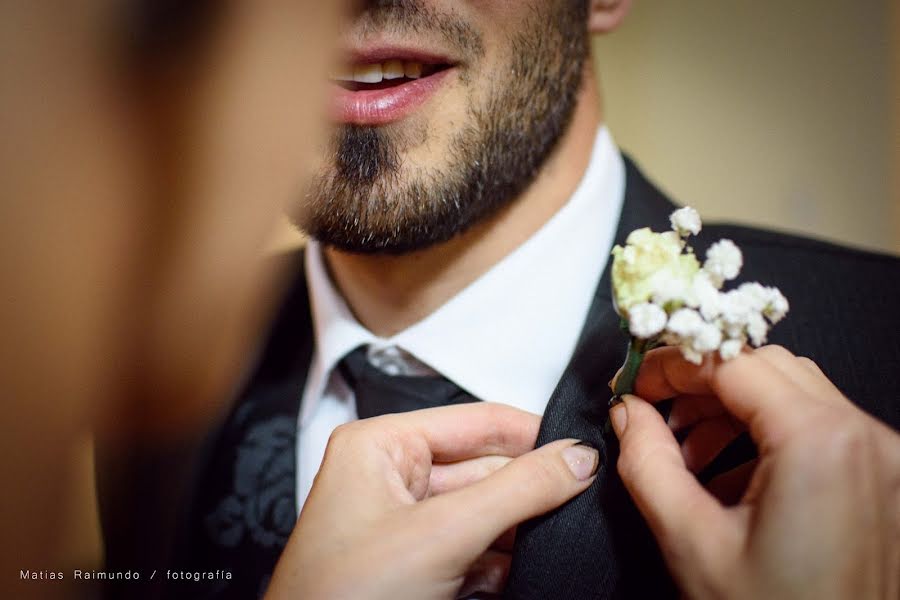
[(664, 296)]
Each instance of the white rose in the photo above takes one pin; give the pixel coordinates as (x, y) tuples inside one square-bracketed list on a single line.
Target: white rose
[(648, 257)]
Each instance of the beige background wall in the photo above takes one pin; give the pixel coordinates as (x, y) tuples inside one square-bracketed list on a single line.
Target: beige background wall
[(895, 102), (777, 113)]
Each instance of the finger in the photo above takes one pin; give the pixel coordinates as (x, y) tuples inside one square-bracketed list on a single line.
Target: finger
[(811, 365), (677, 508), (464, 431), (707, 439), (528, 486), (665, 374), (804, 372), (448, 477), (487, 575), (771, 404), (750, 388), (689, 410)]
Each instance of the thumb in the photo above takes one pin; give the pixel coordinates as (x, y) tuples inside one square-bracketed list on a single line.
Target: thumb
[(526, 487), (679, 511)]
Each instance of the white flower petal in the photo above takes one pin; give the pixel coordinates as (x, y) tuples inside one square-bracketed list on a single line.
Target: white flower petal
[(691, 355), (723, 261), (777, 307), (756, 296), (757, 329), (705, 296), (685, 323), (646, 320), (730, 349), (707, 338), (686, 221), (668, 288)]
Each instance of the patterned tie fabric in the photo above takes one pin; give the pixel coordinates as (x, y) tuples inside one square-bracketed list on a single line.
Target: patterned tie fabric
[(378, 393)]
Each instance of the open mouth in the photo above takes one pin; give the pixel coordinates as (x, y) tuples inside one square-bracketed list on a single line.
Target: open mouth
[(386, 86), (385, 75)]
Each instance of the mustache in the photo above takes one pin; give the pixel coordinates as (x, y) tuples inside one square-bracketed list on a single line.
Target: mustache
[(403, 17)]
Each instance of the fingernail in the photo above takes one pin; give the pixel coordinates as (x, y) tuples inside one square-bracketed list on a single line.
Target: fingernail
[(582, 459), (619, 417)]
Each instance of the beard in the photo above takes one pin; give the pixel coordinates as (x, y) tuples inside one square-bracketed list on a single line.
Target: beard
[(370, 202)]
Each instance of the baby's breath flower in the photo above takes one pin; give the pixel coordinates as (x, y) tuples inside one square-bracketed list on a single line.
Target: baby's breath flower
[(733, 311), (757, 328), (694, 336), (646, 320), (723, 261), (730, 349), (756, 296), (686, 221), (684, 322), (706, 296), (707, 338), (777, 307)]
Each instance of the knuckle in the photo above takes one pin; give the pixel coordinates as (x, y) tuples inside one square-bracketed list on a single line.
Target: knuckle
[(774, 351), (808, 362), (342, 434), (850, 438), (833, 442)]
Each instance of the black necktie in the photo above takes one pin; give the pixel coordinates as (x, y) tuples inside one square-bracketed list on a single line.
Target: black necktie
[(378, 393)]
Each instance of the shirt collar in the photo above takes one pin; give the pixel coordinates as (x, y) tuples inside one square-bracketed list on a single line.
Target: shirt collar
[(509, 335)]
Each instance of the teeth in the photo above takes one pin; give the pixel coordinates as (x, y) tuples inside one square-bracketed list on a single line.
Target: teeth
[(393, 69), (376, 73), (412, 70), (367, 73), (343, 74)]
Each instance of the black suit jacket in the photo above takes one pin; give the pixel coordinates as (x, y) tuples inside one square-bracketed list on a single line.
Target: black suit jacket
[(843, 315)]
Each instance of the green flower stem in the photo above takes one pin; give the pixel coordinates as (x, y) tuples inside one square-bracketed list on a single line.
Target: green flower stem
[(637, 348), (625, 382)]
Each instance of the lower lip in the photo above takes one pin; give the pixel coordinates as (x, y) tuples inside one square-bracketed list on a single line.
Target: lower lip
[(380, 107)]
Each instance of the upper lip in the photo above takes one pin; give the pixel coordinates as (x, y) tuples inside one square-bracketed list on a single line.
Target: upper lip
[(377, 54)]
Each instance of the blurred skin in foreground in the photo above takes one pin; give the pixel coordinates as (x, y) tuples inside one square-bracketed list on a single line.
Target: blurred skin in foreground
[(143, 171)]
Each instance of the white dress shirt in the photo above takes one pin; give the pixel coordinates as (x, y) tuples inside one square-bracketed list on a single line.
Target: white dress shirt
[(507, 337)]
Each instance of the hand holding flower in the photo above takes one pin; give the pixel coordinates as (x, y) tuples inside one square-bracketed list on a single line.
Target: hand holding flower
[(820, 516)]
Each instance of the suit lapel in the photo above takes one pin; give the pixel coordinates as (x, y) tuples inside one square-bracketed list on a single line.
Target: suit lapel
[(596, 546)]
